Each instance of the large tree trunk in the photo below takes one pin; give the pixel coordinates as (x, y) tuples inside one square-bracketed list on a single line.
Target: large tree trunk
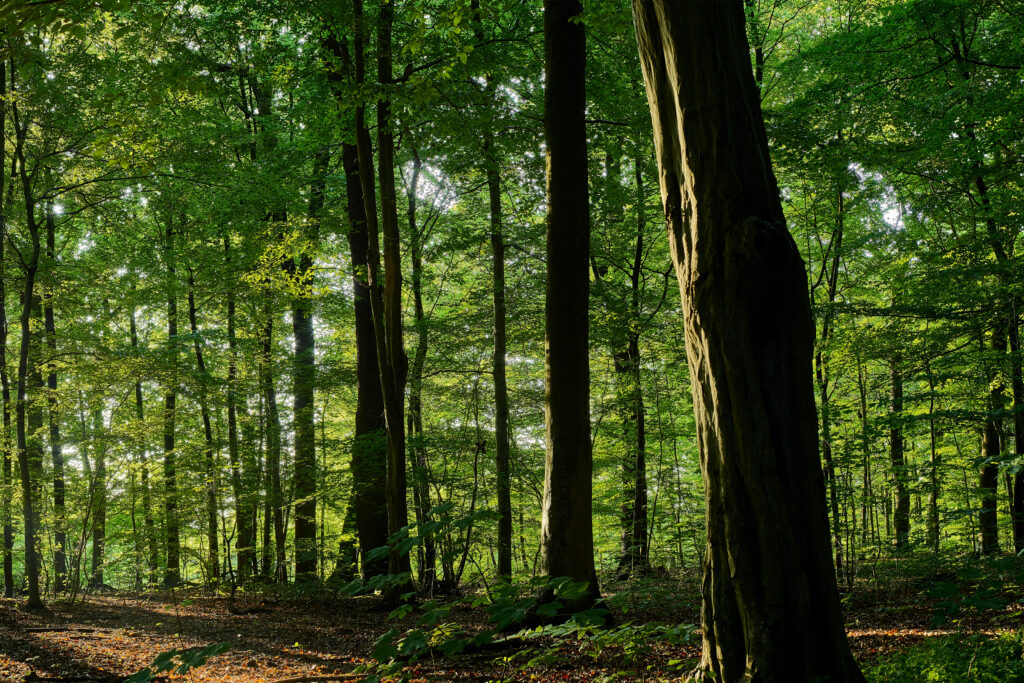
[(60, 562), (172, 575), (369, 469), (567, 534), (209, 454), (1017, 384), (901, 515), (770, 604)]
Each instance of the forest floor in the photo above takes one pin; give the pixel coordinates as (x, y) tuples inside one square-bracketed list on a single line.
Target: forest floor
[(278, 638)]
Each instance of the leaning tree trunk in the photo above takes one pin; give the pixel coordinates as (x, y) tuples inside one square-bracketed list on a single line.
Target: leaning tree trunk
[(770, 604), (567, 534)]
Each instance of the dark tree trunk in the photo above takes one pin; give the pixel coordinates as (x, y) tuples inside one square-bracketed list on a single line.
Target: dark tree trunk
[(417, 448), (901, 515), (149, 527), (5, 381), (209, 454), (99, 497), (634, 554), (304, 387), (246, 540), (172, 575), (60, 562), (30, 259), (567, 534), (991, 449), (272, 467), (1018, 434), (770, 604)]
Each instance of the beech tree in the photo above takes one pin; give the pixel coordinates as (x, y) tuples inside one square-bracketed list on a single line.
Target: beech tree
[(770, 603)]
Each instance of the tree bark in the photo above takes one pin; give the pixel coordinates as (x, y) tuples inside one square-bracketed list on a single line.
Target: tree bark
[(99, 497), (5, 381), (272, 467), (770, 604), (60, 563), (901, 515), (172, 575), (148, 525), (991, 448), (567, 535), (304, 385), (209, 454)]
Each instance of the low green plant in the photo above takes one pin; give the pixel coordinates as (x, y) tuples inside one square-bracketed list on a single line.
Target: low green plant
[(965, 659), (180, 661)]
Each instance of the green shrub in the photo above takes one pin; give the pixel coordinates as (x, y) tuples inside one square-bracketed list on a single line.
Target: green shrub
[(975, 659)]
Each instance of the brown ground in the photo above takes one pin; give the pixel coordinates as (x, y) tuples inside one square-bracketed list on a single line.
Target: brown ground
[(105, 638)]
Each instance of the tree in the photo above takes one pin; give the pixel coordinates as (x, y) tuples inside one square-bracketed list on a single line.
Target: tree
[(567, 534), (770, 604)]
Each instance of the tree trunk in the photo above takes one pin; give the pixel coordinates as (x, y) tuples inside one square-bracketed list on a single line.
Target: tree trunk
[(60, 563), (567, 534), (5, 381), (149, 527), (418, 451), (901, 515), (1017, 384), (272, 468), (304, 387), (99, 497), (30, 259), (770, 604), (246, 541), (172, 575), (991, 448), (209, 455)]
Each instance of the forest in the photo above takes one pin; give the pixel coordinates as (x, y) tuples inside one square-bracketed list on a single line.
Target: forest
[(561, 340)]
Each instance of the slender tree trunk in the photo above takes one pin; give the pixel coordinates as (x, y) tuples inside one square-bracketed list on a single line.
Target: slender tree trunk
[(304, 388), (172, 575), (246, 541), (28, 459), (209, 454), (5, 381), (148, 525), (991, 449), (99, 498), (275, 498), (418, 451), (749, 335), (567, 534), (60, 565), (901, 515), (1017, 384), (934, 465)]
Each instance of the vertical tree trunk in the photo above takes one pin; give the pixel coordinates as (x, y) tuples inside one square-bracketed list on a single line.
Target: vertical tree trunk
[(60, 565), (5, 381), (172, 575), (272, 468), (1017, 384), (501, 437), (901, 515), (770, 604), (634, 552), (304, 387), (209, 455), (418, 451), (246, 541), (30, 258), (98, 437), (934, 463), (567, 534), (148, 525), (991, 448)]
